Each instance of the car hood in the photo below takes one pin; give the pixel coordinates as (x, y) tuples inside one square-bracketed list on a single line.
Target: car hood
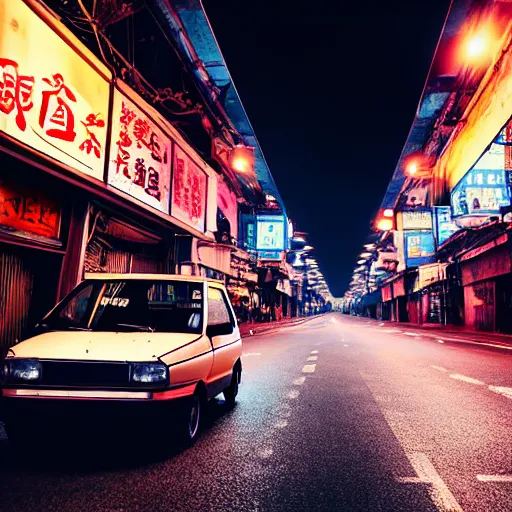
[(102, 346)]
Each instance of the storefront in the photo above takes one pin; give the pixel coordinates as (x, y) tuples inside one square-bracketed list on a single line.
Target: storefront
[(486, 281)]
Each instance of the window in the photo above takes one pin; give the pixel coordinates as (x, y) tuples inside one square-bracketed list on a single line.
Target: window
[(132, 305), (218, 313)]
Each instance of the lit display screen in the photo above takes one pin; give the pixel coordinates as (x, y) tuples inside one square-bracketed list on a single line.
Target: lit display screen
[(420, 248), (483, 191), (270, 233), (444, 225)]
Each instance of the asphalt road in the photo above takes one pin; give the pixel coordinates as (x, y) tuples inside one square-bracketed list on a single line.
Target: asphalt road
[(335, 414)]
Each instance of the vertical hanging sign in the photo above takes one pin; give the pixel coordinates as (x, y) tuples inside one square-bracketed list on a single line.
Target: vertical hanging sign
[(188, 191), (140, 155)]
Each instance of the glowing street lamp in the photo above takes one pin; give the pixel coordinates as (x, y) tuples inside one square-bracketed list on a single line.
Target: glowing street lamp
[(476, 46)]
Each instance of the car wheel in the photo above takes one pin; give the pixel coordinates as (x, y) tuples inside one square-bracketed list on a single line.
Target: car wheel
[(191, 420), (231, 392)]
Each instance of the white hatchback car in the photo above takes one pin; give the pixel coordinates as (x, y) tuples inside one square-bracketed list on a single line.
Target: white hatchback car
[(134, 343)]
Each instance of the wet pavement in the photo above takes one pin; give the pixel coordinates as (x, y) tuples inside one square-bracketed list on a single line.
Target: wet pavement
[(337, 413)]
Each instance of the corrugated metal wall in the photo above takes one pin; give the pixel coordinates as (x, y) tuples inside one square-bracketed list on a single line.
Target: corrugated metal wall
[(16, 286)]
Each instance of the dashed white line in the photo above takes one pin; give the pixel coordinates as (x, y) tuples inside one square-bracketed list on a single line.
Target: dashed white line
[(442, 497), (388, 330), (494, 478), (312, 358), (281, 424), (309, 368), (463, 378), (415, 334), (293, 394), (440, 341), (314, 351), (440, 368), (299, 381), (345, 345), (249, 354), (501, 390)]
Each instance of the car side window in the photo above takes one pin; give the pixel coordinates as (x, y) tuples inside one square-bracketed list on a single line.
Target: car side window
[(218, 313)]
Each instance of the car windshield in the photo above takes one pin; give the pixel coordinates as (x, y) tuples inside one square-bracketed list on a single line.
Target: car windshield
[(131, 306)]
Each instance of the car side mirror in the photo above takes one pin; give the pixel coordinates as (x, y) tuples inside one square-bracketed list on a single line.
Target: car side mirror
[(219, 330)]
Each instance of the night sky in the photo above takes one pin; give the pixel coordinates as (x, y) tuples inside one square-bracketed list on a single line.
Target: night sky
[(331, 92)]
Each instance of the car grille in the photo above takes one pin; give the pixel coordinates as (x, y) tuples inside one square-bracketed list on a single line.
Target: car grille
[(70, 373)]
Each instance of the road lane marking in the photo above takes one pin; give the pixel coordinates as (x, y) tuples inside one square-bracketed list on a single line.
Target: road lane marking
[(309, 368), (412, 334), (380, 325), (494, 478), (501, 390), (293, 394), (249, 354), (314, 351), (442, 497), (312, 358), (389, 330), (463, 378), (439, 493), (440, 368), (440, 341), (281, 424), (299, 381)]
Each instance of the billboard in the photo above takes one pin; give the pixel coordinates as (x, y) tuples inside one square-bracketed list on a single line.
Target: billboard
[(483, 190), (419, 248), (271, 233), (189, 184), (417, 220), (51, 98), (444, 226), (140, 155)]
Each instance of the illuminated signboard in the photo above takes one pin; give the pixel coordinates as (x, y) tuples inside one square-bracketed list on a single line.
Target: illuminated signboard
[(445, 227), (51, 98), (189, 184), (28, 211), (419, 248), (484, 190), (270, 233), (417, 220), (140, 155)]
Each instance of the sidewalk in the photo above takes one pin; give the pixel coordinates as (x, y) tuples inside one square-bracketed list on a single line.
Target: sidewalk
[(451, 333), (247, 329)]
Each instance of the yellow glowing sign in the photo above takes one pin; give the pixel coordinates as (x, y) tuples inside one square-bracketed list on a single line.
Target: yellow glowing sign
[(51, 98)]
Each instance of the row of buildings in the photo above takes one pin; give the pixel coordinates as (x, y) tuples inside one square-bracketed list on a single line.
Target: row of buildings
[(125, 148), (440, 250)]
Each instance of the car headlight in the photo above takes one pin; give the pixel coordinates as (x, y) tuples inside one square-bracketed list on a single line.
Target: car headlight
[(149, 373), (28, 370)]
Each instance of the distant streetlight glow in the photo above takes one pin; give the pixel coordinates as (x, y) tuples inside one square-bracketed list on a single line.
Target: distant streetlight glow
[(412, 168), (385, 224)]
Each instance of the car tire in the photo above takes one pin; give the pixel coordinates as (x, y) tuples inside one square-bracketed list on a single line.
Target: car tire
[(190, 422), (231, 392)]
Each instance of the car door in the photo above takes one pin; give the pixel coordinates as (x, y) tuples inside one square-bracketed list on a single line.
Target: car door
[(224, 335)]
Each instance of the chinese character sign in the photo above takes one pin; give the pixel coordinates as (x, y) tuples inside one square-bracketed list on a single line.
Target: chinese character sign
[(29, 211), (188, 191), (51, 99), (140, 155)]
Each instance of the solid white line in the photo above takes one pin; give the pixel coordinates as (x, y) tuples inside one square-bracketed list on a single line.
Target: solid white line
[(312, 358), (501, 391), (440, 368), (314, 351), (442, 497), (299, 381), (309, 368), (494, 478), (463, 378)]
